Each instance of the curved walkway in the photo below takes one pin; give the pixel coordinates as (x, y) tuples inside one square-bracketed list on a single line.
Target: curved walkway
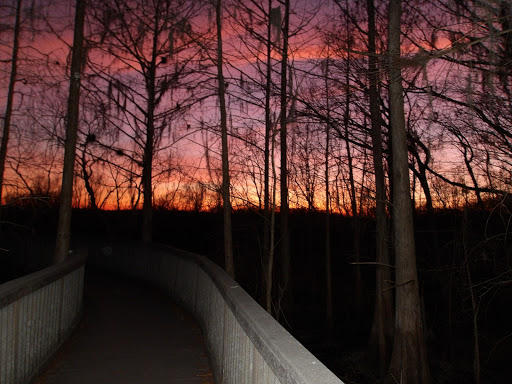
[(130, 333)]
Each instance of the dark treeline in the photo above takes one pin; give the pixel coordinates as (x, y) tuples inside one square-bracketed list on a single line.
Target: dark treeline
[(473, 238)]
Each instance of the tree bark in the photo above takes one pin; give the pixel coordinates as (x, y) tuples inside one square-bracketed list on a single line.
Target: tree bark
[(381, 336), (409, 357), (284, 212), (66, 197), (10, 97), (147, 177), (268, 264), (356, 240), (87, 180), (346, 119), (421, 172), (229, 264), (272, 225), (329, 316), (147, 160)]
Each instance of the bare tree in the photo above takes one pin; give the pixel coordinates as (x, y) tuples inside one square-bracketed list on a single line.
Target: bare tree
[(143, 62), (285, 280), (229, 264), (382, 328), (305, 165), (329, 312), (10, 95), (64, 223), (268, 213), (409, 362), (469, 97)]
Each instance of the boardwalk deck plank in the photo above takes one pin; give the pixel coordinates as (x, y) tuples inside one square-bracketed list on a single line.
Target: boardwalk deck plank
[(131, 333)]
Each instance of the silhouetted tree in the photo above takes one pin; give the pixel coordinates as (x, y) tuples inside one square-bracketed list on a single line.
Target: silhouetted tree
[(329, 307), (285, 280), (409, 362), (142, 63), (10, 95), (229, 264), (64, 223), (381, 336)]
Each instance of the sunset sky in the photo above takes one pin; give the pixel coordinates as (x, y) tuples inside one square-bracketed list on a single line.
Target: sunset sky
[(190, 155)]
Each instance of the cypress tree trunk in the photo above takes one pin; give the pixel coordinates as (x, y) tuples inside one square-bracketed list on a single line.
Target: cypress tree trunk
[(66, 196), (381, 336), (10, 96), (229, 264), (409, 357), (329, 316), (285, 282), (147, 161), (268, 258)]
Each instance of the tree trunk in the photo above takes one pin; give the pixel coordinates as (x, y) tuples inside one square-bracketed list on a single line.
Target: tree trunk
[(268, 263), (147, 176), (66, 196), (284, 213), (356, 240), (346, 118), (467, 161), (329, 317), (421, 173), (381, 336), (409, 357), (229, 264), (272, 228), (147, 162), (87, 183), (475, 305), (10, 97), (422, 177)]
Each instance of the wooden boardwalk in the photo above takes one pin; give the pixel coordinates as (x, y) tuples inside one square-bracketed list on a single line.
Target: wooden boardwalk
[(130, 333)]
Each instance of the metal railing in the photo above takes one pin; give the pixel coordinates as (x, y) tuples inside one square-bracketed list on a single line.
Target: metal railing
[(37, 313), (246, 345)]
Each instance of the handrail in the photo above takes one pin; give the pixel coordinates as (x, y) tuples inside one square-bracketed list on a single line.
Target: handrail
[(246, 344), (37, 313)]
